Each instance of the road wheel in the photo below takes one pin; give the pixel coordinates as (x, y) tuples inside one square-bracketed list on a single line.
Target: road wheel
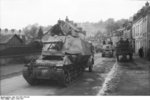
[(29, 78)]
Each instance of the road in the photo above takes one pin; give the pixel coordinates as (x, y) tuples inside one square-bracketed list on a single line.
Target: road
[(87, 84), (135, 79)]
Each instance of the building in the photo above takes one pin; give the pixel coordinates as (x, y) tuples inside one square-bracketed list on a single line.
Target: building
[(141, 29), (19, 32), (127, 32), (11, 40)]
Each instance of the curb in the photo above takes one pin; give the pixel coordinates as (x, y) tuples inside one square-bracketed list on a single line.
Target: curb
[(111, 81)]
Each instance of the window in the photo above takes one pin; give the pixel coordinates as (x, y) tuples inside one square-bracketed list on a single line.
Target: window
[(137, 30)]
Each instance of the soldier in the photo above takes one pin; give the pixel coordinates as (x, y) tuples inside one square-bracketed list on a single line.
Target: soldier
[(141, 52)]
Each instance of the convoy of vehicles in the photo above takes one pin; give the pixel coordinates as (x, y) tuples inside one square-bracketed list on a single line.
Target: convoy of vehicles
[(65, 55)]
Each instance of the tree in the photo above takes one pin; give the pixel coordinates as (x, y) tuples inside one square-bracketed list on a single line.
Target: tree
[(40, 33), (31, 31), (112, 25)]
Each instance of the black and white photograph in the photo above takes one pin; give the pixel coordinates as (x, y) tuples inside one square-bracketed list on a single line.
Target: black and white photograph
[(86, 48)]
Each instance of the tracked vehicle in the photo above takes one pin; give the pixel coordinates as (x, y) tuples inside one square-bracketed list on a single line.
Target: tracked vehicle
[(63, 58)]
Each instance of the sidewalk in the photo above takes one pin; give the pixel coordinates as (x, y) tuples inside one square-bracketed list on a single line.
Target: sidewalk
[(10, 70), (135, 79)]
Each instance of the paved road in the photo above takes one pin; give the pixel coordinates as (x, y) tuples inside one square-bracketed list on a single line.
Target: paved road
[(135, 79), (10, 70), (88, 84)]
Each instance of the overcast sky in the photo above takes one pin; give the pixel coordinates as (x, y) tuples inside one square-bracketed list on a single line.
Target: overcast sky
[(20, 13)]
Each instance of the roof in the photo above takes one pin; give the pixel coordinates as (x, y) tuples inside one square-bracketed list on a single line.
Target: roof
[(142, 12), (5, 38)]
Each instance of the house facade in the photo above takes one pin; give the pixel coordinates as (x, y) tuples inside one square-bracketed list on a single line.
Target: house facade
[(141, 29)]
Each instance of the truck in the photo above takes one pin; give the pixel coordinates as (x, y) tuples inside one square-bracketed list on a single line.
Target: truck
[(107, 50), (63, 59), (124, 50)]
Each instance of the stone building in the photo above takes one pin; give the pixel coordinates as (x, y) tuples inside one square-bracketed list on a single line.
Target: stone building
[(141, 29)]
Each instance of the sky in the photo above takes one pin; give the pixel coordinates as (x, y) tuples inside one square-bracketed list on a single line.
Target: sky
[(20, 13)]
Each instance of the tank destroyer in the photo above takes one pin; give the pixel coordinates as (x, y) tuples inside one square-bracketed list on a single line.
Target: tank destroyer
[(64, 57)]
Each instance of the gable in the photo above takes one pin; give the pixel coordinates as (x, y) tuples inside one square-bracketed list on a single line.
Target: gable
[(15, 40)]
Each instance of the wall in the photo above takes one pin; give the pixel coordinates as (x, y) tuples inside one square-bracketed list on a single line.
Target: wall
[(139, 32), (148, 31)]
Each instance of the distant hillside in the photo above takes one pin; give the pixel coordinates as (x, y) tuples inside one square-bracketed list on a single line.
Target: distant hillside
[(102, 26), (92, 28)]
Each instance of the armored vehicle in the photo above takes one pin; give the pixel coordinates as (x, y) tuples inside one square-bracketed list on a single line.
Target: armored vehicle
[(63, 58), (107, 50), (124, 49)]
